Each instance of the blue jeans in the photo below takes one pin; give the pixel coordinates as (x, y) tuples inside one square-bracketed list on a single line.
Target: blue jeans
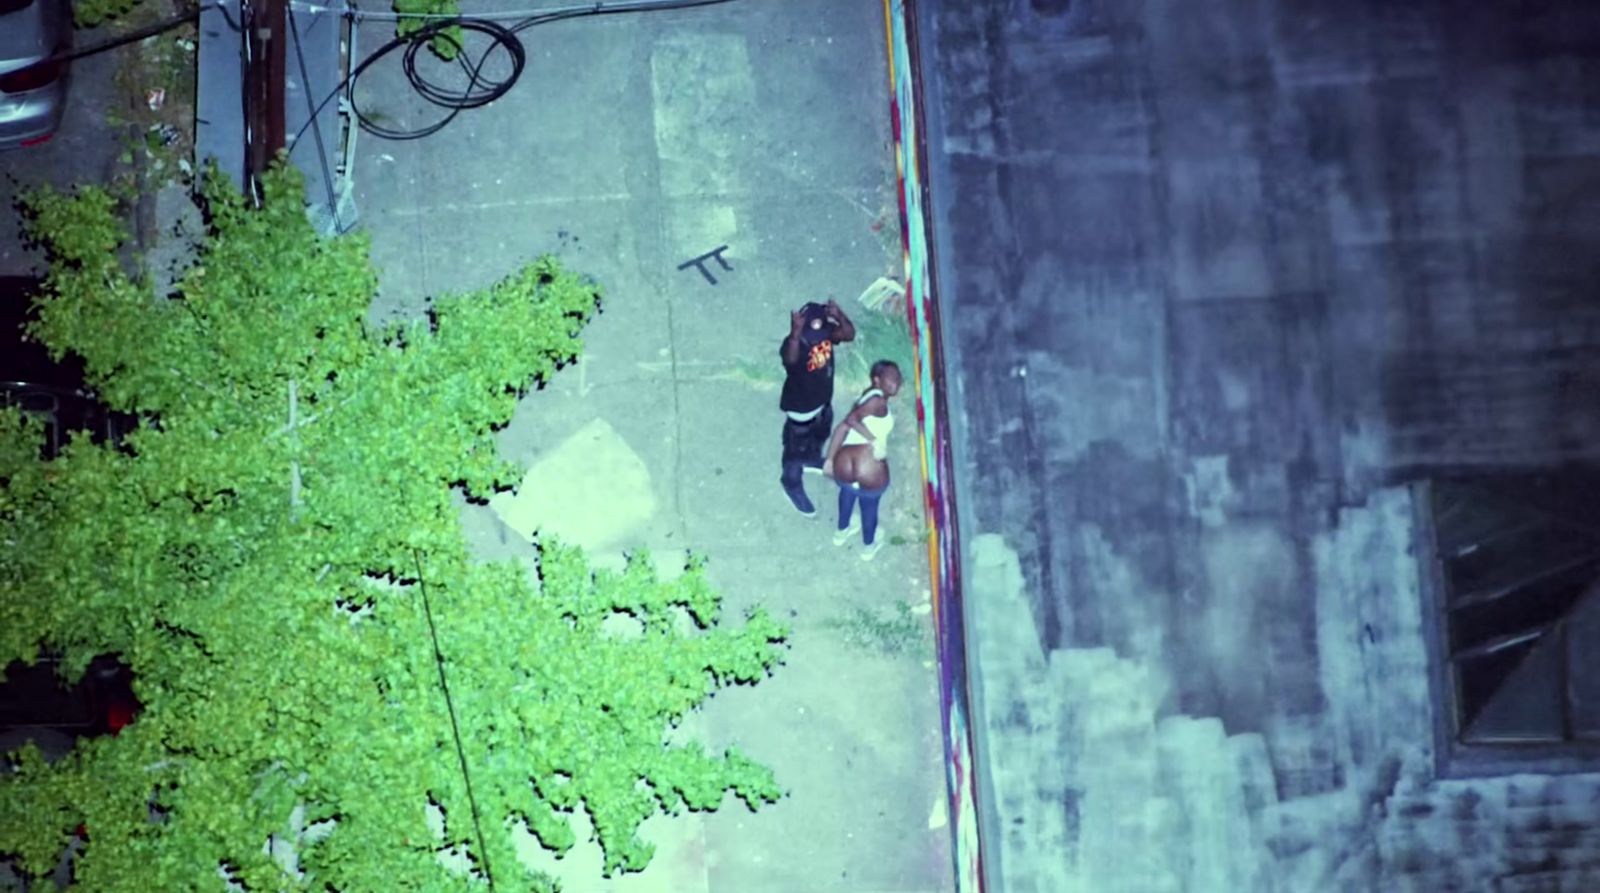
[(848, 494)]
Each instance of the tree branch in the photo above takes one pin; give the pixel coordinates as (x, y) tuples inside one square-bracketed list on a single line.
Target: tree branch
[(294, 464)]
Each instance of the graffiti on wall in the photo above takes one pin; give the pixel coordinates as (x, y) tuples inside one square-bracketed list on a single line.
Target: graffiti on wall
[(933, 437)]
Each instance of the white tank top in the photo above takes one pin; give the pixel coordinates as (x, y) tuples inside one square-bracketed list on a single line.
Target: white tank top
[(879, 425)]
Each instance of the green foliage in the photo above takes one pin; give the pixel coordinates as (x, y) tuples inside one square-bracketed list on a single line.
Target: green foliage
[(89, 13), (447, 43), (881, 334), (899, 539), (260, 550), (892, 632)]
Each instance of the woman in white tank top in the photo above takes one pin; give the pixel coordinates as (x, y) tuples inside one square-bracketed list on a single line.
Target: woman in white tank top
[(857, 458)]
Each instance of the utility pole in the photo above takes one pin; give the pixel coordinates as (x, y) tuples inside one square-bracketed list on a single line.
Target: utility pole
[(264, 89)]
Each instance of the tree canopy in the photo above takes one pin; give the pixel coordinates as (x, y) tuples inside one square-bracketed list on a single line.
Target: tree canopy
[(275, 551)]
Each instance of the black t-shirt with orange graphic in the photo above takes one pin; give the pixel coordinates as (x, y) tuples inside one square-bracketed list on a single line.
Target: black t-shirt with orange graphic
[(809, 383)]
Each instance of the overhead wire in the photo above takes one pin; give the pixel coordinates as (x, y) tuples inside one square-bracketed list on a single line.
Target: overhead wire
[(510, 15), (316, 128), (455, 724), (480, 89), (477, 93), (150, 30)]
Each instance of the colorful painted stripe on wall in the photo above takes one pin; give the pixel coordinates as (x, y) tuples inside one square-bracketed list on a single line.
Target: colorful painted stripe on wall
[(939, 496)]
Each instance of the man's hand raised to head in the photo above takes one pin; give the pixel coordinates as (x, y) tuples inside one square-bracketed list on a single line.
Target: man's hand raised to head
[(845, 330)]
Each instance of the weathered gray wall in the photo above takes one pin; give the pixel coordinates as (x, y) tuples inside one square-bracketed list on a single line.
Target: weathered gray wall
[(1218, 278)]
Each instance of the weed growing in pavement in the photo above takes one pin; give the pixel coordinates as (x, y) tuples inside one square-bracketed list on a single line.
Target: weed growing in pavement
[(902, 540), (882, 333), (155, 81), (763, 375), (413, 18), (89, 13), (895, 631)]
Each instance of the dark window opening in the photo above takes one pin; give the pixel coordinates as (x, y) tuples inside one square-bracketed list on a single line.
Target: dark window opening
[(37, 706), (35, 697), (51, 391), (64, 411), (1517, 599)]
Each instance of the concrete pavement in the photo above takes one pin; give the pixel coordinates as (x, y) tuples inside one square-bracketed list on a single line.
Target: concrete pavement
[(632, 145)]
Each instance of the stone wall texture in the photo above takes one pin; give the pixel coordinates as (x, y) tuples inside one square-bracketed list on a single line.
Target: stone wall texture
[(1220, 281)]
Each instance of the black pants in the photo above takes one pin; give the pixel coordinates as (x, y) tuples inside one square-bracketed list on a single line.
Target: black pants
[(803, 443)]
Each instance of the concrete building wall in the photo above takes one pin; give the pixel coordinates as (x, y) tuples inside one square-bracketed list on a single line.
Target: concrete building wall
[(1219, 280)]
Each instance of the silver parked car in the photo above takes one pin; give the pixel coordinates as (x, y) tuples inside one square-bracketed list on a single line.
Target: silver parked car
[(33, 88)]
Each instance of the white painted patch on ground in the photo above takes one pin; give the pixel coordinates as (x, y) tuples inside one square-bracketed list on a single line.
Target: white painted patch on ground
[(679, 865), (591, 491), (704, 109), (695, 228)]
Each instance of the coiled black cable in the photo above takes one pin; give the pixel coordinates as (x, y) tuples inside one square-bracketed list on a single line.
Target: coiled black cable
[(480, 89)]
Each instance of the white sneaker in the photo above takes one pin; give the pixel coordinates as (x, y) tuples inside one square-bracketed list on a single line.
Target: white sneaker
[(840, 537), (872, 551)]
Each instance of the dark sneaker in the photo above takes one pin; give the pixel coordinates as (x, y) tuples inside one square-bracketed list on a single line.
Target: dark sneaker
[(802, 503)]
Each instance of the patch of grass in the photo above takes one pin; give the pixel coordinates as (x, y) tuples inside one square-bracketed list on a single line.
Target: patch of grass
[(448, 42), (89, 13), (881, 334), (887, 227), (894, 631), (902, 540), (764, 375), (163, 135)]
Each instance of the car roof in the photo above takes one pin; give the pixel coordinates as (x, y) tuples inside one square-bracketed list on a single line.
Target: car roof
[(28, 34)]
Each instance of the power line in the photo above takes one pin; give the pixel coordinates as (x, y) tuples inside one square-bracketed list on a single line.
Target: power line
[(316, 129), (455, 726), (480, 90), (166, 24), (512, 15)]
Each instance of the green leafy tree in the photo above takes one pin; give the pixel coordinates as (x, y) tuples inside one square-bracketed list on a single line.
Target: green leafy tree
[(89, 13), (420, 15), (275, 552)]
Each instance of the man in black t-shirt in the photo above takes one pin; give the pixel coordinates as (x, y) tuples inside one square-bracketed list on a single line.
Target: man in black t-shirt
[(807, 400)]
